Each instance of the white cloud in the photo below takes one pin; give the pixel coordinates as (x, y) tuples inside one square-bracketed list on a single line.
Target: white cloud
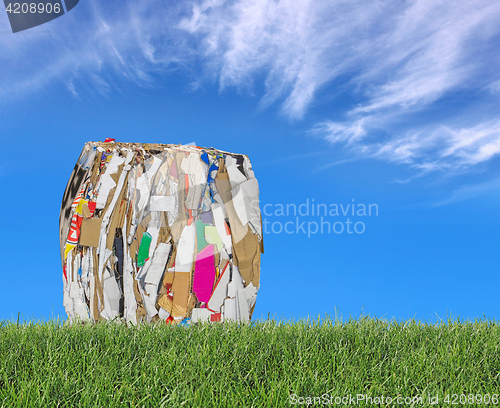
[(434, 49), (429, 149), (494, 87), (298, 45), (131, 44), (395, 59), (349, 133), (400, 58), (470, 191)]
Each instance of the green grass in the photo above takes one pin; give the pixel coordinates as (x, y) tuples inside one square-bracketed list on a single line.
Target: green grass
[(257, 365)]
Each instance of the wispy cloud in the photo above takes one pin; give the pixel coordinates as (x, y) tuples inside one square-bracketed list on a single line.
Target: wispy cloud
[(432, 50), (494, 87), (400, 59), (470, 191), (401, 64), (428, 149), (298, 46), (90, 48)]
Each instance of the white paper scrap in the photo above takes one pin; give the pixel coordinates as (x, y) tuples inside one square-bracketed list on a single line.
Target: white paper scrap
[(158, 263), (162, 203), (186, 248), (200, 315), (235, 175)]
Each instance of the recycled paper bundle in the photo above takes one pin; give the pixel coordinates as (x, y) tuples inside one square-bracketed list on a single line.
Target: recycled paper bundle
[(160, 232)]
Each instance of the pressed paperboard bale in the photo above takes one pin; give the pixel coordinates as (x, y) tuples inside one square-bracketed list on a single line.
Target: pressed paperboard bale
[(159, 232)]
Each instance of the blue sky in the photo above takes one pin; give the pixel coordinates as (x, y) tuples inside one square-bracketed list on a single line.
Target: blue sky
[(391, 103)]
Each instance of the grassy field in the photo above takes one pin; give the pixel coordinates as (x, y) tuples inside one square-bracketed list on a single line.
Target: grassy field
[(265, 364)]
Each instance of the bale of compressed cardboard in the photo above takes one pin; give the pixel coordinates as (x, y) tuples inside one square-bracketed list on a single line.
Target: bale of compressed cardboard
[(160, 232)]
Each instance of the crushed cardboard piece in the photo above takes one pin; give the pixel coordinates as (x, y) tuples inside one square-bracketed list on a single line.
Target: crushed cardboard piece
[(90, 232)]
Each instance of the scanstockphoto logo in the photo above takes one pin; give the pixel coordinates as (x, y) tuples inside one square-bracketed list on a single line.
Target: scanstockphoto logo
[(310, 218), (29, 14)]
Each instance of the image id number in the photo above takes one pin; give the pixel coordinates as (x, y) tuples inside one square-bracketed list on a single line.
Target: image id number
[(471, 399), (25, 8)]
